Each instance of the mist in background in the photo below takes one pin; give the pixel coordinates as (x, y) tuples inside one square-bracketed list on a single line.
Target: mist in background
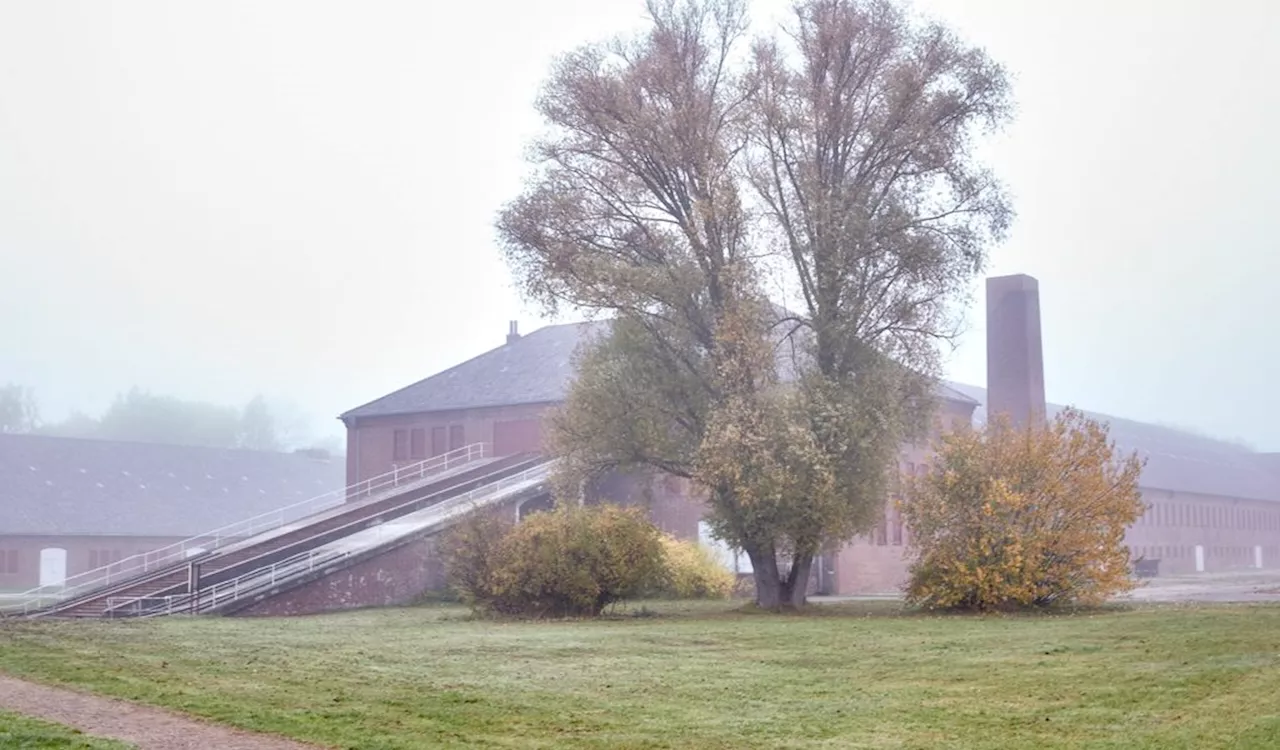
[(295, 199)]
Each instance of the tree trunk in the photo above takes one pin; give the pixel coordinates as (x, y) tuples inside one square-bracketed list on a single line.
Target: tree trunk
[(764, 566), (775, 591), (798, 580)]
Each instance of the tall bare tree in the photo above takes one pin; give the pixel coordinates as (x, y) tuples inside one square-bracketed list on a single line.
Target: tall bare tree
[(861, 154), (677, 168)]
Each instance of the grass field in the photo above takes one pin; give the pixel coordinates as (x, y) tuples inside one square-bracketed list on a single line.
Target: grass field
[(698, 677), (21, 733)]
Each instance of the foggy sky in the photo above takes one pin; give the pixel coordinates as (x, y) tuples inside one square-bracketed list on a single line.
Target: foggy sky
[(212, 200)]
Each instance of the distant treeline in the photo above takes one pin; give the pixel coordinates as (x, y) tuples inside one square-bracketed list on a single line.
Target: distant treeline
[(142, 416)]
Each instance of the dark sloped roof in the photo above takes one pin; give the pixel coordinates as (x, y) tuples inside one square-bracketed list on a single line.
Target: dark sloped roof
[(1178, 460), (535, 368), (70, 486)]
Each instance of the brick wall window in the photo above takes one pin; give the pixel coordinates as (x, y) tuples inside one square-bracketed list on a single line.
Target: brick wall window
[(457, 437), (439, 441), (400, 445), (100, 558), (9, 560), (896, 528), (881, 536), (418, 443)]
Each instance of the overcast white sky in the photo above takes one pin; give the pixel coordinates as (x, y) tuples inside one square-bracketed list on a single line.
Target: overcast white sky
[(218, 199)]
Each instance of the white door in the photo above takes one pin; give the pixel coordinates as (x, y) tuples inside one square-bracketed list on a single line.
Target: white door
[(53, 566), (1199, 558), (1257, 557), (730, 558)]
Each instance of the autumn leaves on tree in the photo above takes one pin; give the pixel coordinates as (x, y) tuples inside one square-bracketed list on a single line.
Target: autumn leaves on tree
[(780, 229)]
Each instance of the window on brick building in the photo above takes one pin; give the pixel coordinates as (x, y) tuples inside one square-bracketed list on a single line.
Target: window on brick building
[(100, 558), (896, 529), (457, 437), (400, 445), (439, 441), (882, 537), (9, 562), (418, 443)]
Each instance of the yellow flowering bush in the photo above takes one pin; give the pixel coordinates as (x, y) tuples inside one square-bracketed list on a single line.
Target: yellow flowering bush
[(691, 571), (1013, 518)]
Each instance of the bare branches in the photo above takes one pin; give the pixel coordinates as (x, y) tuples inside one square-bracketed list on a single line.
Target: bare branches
[(861, 160)]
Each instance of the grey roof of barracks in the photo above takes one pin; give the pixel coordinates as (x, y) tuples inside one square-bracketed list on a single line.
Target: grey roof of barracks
[(1178, 460), (69, 486), (537, 368)]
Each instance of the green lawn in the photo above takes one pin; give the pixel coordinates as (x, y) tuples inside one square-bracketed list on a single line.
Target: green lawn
[(1154, 677), (21, 733)]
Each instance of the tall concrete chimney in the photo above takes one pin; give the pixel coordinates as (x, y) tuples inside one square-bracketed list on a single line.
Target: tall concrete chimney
[(512, 332), (1015, 357)]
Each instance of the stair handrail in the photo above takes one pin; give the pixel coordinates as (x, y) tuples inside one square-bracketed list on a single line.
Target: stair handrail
[(313, 558), (214, 539)]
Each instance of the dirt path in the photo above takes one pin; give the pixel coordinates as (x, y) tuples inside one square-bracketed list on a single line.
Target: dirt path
[(146, 727)]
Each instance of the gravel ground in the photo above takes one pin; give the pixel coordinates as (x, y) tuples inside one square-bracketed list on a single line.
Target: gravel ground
[(147, 728)]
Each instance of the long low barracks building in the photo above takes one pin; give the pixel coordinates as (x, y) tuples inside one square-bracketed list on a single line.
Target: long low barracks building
[(1212, 505)]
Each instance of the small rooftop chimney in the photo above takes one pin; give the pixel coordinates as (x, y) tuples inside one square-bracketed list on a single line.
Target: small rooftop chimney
[(512, 332), (1015, 357)]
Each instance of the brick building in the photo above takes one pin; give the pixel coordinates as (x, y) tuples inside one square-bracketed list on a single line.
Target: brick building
[(70, 505), (1213, 505)]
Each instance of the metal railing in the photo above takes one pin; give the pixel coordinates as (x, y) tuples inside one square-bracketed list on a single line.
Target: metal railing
[(269, 575), (145, 562)]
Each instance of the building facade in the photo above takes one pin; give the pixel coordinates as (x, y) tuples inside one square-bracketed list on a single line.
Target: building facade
[(70, 505), (1212, 505)]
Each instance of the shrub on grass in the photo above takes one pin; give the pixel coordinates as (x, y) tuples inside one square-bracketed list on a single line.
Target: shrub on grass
[(572, 561), (1011, 518), (691, 571)]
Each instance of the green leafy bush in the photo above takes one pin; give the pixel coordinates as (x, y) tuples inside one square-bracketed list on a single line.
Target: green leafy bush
[(691, 571), (572, 561)]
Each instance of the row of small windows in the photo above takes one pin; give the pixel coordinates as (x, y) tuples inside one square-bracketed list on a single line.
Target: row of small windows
[(890, 531), (1186, 551), (1210, 517), (100, 558), (411, 444)]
